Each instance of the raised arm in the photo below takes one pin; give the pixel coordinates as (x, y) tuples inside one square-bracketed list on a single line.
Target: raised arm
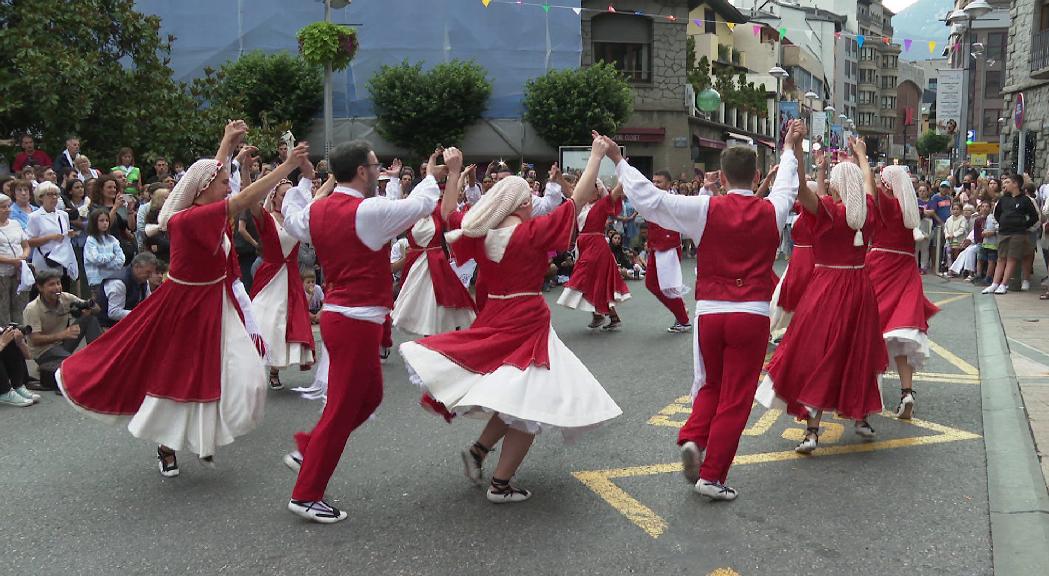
[(254, 194), (231, 138), (453, 161), (789, 175), (586, 187), (245, 159), (859, 150)]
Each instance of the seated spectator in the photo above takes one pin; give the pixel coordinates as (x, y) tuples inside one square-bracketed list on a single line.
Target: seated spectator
[(59, 321), (22, 208), (156, 240), (30, 156), (132, 175), (314, 295), (84, 170), (119, 294), (629, 266), (14, 250), (159, 276), (13, 371), (103, 256)]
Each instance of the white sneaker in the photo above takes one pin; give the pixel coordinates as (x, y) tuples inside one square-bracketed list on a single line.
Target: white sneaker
[(864, 430), (12, 398), (1025, 286), (1002, 289), (509, 496), (25, 393), (293, 460), (990, 289), (317, 511), (715, 490), (906, 407), (691, 460)]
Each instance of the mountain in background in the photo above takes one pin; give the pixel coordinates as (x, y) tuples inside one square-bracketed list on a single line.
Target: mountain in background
[(922, 22)]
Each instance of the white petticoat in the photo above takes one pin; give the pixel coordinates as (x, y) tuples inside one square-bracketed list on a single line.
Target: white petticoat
[(574, 299), (778, 317), (909, 342), (566, 396), (416, 309), (201, 427), (270, 308)]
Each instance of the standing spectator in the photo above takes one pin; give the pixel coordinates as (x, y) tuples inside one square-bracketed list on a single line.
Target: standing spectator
[(59, 321), (66, 160), (1015, 213), (78, 205), (103, 256), (160, 171), (126, 164), (84, 170), (30, 156), (314, 296), (49, 235), (939, 209), (246, 243), (121, 222), (14, 250), (118, 295), (22, 208), (156, 240)]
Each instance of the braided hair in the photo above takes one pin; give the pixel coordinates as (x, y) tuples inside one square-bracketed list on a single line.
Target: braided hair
[(847, 179)]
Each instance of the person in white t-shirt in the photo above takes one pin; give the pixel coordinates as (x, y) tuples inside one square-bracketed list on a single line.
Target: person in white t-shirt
[(14, 251)]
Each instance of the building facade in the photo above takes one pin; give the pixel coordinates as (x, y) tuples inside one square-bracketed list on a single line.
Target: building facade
[(876, 112), (910, 90), (1027, 74)]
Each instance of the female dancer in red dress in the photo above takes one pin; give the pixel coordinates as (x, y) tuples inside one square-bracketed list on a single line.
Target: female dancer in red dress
[(277, 298), (902, 306), (832, 354), (792, 285), (596, 285), (510, 365), (213, 384)]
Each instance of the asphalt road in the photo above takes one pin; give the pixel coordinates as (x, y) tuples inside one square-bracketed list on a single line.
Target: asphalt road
[(79, 497)]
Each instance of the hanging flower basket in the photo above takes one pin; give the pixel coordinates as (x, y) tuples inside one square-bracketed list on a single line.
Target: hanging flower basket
[(324, 43)]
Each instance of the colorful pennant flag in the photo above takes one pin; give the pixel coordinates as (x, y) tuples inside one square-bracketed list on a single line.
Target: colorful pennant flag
[(782, 33), (611, 9), (731, 25), (860, 40), (698, 22), (885, 40), (486, 2), (932, 46), (906, 44), (577, 11), (837, 35), (757, 30), (546, 8)]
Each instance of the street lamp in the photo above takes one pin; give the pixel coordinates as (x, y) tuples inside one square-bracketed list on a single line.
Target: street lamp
[(329, 122), (961, 23), (779, 74)]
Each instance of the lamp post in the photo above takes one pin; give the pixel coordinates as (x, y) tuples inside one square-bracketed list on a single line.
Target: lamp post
[(962, 19), (1001, 143), (329, 122), (779, 74)]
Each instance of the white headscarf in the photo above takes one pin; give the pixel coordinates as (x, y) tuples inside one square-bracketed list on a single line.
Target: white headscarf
[(197, 179), (503, 199), (847, 179), (903, 189)]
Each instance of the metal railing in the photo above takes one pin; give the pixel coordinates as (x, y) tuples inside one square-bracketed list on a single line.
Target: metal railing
[(1040, 50)]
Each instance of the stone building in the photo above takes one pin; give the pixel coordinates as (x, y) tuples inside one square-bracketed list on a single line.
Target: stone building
[(910, 89), (1027, 74), (649, 48)]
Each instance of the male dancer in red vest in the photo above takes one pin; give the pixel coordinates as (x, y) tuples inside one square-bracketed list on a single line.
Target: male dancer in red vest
[(351, 230), (664, 248), (736, 236)]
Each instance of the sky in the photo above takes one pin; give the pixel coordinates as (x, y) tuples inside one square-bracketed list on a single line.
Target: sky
[(897, 5)]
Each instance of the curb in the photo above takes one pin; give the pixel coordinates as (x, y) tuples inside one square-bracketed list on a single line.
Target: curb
[(1017, 495)]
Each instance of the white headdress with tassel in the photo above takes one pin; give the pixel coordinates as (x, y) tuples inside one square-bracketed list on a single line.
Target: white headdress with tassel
[(197, 179), (847, 179), (903, 189), (503, 199)]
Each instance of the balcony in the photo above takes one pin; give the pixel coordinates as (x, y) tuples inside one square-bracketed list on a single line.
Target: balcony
[(1040, 54)]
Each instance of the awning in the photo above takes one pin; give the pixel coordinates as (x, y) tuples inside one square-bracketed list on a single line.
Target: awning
[(711, 143), (767, 143), (740, 137)]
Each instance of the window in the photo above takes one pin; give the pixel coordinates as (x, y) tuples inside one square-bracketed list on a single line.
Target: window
[(991, 127), (993, 82), (710, 23), (625, 41), (888, 82), (866, 97), (888, 102), (867, 76), (996, 45), (888, 122)]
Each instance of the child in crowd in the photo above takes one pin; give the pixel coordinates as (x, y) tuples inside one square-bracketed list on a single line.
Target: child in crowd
[(955, 230), (314, 295)]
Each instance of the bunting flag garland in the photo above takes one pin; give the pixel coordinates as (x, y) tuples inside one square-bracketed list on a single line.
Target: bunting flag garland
[(782, 33), (757, 30), (906, 44), (486, 2), (731, 25), (932, 46), (698, 23), (859, 40), (611, 9), (546, 8)]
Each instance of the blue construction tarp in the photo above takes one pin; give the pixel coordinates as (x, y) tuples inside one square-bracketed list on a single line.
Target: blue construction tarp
[(514, 42)]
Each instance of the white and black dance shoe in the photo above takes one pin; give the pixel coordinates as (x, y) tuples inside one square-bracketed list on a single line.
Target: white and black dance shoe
[(715, 490), (502, 492), (293, 460), (906, 408), (167, 470), (679, 328), (811, 441), (472, 466), (863, 430), (317, 511), (612, 326), (384, 354), (691, 460)]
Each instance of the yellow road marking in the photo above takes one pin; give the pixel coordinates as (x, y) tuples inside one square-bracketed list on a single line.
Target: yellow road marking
[(601, 481), (934, 377), (950, 300), (947, 292), (953, 359), (724, 572), (764, 423)]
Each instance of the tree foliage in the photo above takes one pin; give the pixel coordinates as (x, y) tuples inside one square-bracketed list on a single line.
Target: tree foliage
[(932, 143), (563, 106), (418, 110)]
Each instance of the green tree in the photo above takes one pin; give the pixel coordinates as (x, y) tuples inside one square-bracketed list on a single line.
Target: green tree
[(932, 143), (418, 110), (565, 105)]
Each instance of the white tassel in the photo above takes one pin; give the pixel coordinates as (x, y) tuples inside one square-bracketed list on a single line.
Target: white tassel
[(857, 240)]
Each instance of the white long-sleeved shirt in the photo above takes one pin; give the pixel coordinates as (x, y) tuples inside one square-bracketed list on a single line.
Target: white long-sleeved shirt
[(688, 215), (546, 203), (379, 220), (116, 292)]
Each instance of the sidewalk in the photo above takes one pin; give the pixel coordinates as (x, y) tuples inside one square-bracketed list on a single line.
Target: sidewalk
[(1025, 319)]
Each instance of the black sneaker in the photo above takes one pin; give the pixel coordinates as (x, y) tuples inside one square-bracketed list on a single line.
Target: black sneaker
[(679, 328), (317, 511)]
